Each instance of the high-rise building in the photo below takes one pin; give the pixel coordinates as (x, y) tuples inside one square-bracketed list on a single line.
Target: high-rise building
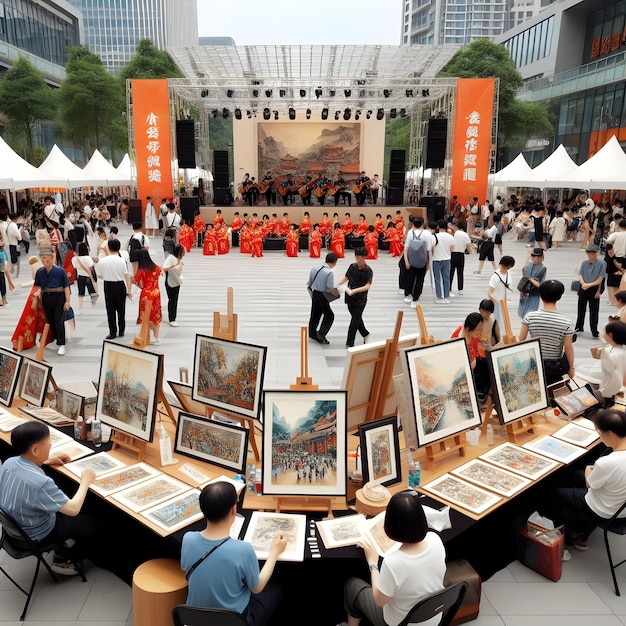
[(113, 28)]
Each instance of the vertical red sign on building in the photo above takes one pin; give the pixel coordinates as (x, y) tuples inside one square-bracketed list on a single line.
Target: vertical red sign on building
[(472, 138), (151, 120)]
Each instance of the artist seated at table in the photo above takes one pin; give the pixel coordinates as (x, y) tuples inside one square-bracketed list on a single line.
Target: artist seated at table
[(224, 572), (596, 494), (406, 576), (33, 499)]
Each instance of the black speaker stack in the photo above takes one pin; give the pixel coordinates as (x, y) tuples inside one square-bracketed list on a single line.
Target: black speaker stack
[(435, 207), (397, 172), (221, 179), (185, 144), (436, 142)]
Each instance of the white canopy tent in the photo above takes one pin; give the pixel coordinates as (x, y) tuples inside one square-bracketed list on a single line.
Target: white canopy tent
[(57, 164), (16, 173), (558, 164), (125, 168), (516, 169), (99, 166)]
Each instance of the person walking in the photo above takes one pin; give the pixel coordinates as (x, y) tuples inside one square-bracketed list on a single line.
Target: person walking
[(499, 284), (84, 267), (147, 279), (442, 253), (113, 271), (359, 278), (418, 247), (462, 246), (151, 219), (535, 272), (321, 282), (591, 277), (173, 268)]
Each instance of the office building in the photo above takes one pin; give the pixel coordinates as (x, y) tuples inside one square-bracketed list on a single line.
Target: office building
[(113, 28)]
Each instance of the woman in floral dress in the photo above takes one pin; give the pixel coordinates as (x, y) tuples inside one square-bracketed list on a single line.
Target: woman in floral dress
[(147, 279)]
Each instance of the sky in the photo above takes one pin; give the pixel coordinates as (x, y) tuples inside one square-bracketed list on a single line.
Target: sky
[(275, 22)]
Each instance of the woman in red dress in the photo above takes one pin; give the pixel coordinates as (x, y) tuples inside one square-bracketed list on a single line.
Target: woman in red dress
[(198, 228), (147, 279), (186, 236), (210, 246), (221, 236), (291, 243), (245, 240), (305, 224), (395, 240), (257, 242), (338, 242), (315, 243), (33, 318), (371, 243)]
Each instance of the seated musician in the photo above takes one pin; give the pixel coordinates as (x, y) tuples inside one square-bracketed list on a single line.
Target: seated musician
[(374, 188), (224, 572), (315, 242), (305, 224), (371, 243), (243, 188), (273, 226), (253, 192), (347, 226), (269, 193), (321, 188), (305, 191), (340, 191), (286, 189), (338, 242), (293, 239), (361, 227), (361, 195), (284, 225)]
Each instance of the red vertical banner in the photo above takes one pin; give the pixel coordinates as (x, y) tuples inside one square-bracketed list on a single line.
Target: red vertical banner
[(151, 121), (472, 138)]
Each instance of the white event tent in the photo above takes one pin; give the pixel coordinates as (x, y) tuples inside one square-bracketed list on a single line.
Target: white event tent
[(57, 164), (125, 168), (16, 173), (557, 164), (516, 169), (99, 166)]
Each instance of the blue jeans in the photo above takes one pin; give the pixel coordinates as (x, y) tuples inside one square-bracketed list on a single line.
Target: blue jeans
[(441, 274)]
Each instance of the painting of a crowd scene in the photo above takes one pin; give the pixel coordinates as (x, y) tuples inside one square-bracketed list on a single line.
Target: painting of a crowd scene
[(228, 375), (380, 451), (442, 389), (304, 443), (462, 494), (129, 379), (35, 377), (212, 442), (10, 363), (518, 380), (176, 513)]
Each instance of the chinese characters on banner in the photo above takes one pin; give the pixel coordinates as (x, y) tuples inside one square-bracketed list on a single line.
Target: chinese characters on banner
[(472, 138), (151, 120)]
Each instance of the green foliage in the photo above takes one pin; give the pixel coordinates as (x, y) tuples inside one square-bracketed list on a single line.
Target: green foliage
[(25, 99), (397, 137), (484, 59), (150, 62)]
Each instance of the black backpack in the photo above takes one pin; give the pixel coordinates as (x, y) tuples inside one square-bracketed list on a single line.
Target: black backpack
[(134, 245)]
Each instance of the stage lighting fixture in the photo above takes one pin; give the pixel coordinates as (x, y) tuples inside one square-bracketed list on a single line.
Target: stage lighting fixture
[(332, 93), (237, 114), (229, 93), (409, 93), (268, 93), (308, 114), (369, 114), (302, 93), (347, 92), (360, 82), (266, 113), (425, 93), (402, 112), (347, 114), (318, 92), (380, 114), (386, 93), (225, 113), (337, 114), (204, 93), (276, 115), (249, 114), (357, 115), (255, 93), (282, 93), (324, 114), (393, 113), (292, 113), (215, 113)]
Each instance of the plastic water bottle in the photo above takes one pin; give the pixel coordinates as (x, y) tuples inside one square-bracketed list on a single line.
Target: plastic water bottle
[(79, 428), (96, 432), (251, 478), (490, 441), (414, 472)]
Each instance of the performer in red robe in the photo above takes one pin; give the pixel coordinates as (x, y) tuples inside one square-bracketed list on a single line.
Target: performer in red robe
[(315, 243), (257, 242), (324, 225), (392, 235), (221, 237), (245, 240), (305, 224), (198, 228), (347, 227), (361, 228), (237, 223), (210, 245), (219, 220), (338, 242), (274, 228), (379, 225), (283, 227), (185, 235), (371, 243), (292, 242)]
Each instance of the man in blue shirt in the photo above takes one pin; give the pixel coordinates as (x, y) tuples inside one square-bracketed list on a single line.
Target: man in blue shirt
[(591, 277), (54, 295), (224, 572), (33, 499)]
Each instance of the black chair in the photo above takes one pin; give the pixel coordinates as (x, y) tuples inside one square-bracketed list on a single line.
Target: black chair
[(618, 526), (185, 615), (446, 601), (22, 548)]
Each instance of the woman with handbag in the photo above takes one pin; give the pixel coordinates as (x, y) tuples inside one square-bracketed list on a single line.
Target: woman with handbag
[(84, 271), (533, 275)]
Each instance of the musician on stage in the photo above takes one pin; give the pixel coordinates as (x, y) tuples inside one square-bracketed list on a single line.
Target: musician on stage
[(360, 196), (305, 224), (340, 192), (287, 184), (305, 191), (253, 192), (273, 226), (362, 226), (324, 225), (235, 227), (270, 193), (379, 225), (243, 188), (374, 189), (321, 188)]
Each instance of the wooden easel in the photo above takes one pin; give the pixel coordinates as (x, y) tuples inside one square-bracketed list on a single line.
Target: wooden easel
[(425, 338), (143, 338), (304, 382), (225, 326), (128, 442), (43, 342)]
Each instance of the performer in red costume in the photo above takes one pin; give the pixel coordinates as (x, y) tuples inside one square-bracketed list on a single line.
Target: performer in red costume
[(379, 225), (245, 239), (338, 242), (324, 225), (305, 224), (292, 241), (198, 228), (371, 243), (361, 228), (283, 227), (221, 237), (347, 227), (315, 242), (210, 246), (257, 242), (186, 236), (392, 235)]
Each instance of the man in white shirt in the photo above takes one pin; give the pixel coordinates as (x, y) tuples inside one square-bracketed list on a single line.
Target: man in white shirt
[(12, 237), (414, 282), (442, 253)]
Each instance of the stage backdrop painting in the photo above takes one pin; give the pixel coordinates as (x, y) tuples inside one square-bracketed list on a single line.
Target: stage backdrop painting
[(151, 120), (291, 148), (472, 138)]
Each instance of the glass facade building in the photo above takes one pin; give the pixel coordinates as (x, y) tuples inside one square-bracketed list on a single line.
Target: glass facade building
[(113, 28)]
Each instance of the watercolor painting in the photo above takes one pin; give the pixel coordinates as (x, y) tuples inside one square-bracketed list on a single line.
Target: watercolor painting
[(462, 494), (341, 531), (176, 513), (556, 449), (519, 460), (100, 463), (380, 450), (150, 492), (34, 381), (490, 477), (263, 527), (119, 479), (10, 364), (576, 434)]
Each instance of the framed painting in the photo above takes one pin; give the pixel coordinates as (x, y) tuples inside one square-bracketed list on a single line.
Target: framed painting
[(492, 478), (380, 451), (337, 532), (73, 449), (518, 380), (518, 460), (69, 404), (555, 449), (122, 478), (304, 443), (8, 422), (462, 494), (100, 463), (129, 379), (176, 513), (263, 527), (182, 391), (10, 365), (35, 377), (576, 402), (442, 390), (228, 375), (211, 441), (577, 434), (150, 492)]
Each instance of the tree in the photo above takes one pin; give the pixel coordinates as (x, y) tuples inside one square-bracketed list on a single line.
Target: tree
[(516, 119), (150, 62), (26, 99), (91, 105)]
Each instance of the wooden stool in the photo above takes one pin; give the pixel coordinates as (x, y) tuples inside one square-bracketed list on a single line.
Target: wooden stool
[(369, 507), (158, 586)]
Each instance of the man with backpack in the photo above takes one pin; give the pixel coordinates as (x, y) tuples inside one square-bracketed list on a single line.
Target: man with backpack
[(418, 245), (136, 242)]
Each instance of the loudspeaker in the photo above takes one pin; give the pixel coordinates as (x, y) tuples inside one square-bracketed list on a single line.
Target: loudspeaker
[(185, 144), (436, 142), (135, 210), (435, 207), (188, 208), (397, 169), (221, 175), (222, 196), (395, 196)]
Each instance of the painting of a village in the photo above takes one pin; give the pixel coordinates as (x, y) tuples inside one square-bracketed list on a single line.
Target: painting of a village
[(304, 443), (9, 370), (228, 375)]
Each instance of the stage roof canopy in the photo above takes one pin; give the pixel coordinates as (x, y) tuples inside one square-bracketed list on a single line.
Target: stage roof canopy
[(312, 77)]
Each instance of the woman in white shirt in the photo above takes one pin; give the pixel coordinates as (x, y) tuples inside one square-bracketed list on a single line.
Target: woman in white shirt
[(613, 360), (84, 268), (173, 268)]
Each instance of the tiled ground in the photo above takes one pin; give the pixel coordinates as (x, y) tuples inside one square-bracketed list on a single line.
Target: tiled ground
[(272, 305)]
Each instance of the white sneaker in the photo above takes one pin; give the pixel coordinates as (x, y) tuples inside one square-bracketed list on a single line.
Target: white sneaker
[(174, 324), (155, 342), (446, 301), (439, 300), (413, 303), (61, 350), (408, 299), (459, 293), (451, 295), (65, 568)]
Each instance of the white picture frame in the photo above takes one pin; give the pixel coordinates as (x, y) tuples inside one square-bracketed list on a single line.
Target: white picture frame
[(556, 449), (519, 460), (150, 492), (577, 435), (176, 513), (100, 463), (461, 493), (123, 478), (264, 526), (342, 531), (492, 478)]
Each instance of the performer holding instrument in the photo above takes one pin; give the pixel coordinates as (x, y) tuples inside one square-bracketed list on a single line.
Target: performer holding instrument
[(337, 191), (360, 188)]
